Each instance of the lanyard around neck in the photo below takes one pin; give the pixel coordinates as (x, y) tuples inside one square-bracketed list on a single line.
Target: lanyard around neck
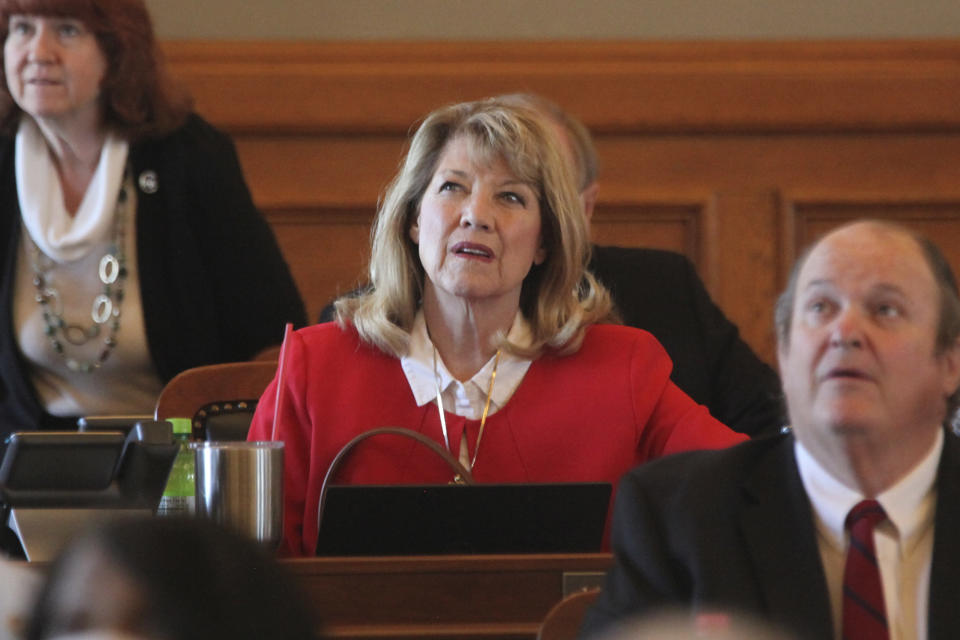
[(483, 416)]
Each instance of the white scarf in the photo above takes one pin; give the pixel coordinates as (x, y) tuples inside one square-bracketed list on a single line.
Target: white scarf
[(56, 233)]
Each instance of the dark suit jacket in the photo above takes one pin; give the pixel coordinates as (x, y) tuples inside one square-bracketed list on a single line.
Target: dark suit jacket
[(213, 282), (660, 292), (733, 530)]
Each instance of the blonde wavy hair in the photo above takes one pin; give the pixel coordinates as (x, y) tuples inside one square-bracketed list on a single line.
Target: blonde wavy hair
[(559, 298)]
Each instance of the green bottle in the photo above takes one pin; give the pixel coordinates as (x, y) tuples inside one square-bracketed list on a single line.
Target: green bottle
[(178, 497)]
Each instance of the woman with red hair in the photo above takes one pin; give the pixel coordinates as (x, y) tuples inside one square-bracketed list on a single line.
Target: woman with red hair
[(129, 243)]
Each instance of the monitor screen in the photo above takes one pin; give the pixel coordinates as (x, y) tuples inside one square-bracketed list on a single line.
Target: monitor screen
[(54, 460), (449, 519)]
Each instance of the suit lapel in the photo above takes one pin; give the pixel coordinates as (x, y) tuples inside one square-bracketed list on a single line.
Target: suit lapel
[(22, 409), (777, 523), (944, 606)]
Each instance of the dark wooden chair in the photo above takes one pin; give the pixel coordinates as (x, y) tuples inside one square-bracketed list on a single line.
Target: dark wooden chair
[(563, 620), (219, 398)]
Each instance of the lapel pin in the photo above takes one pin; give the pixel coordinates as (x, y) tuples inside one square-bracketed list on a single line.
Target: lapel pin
[(148, 181)]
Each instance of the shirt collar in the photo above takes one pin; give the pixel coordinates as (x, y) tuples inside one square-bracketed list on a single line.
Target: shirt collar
[(909, 504), (418, 365)]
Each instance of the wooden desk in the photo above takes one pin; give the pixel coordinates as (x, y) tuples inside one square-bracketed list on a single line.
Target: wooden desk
[(496, 596)]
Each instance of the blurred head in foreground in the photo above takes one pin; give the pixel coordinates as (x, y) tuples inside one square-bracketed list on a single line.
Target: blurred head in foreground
[(169, 579)]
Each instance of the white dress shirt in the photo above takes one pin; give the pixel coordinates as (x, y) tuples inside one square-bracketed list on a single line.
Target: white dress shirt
[(463, 398), (904, 542)]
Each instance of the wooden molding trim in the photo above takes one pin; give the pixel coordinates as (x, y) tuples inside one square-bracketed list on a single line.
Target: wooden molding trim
[(364, 87), (736, 154)]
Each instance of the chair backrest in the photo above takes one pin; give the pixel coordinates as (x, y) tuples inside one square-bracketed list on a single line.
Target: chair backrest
[(219, 398), (563, 620)]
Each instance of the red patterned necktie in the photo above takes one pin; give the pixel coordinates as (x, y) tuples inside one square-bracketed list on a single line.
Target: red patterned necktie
[(864, 614)]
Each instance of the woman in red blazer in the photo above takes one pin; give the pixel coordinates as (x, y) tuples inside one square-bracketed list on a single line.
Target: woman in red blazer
[(480, 332)]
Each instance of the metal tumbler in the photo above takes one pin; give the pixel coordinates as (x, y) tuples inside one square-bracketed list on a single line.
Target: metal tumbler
[(240, 485)]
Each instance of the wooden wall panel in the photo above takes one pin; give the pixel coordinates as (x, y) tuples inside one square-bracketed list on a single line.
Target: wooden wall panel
[(674, 226), (736, 154), (327, 251), (806, 220)]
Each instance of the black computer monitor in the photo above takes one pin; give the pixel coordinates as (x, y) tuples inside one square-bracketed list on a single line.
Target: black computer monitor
[(452, 519), (52, 483), (60, 461), (87, 469)]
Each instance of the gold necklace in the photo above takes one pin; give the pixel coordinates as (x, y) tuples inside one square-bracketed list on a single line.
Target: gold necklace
[(483, 417)]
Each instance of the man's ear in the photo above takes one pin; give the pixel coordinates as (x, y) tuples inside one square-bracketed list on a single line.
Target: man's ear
[(589, 199), (782, 345), (950, 367)]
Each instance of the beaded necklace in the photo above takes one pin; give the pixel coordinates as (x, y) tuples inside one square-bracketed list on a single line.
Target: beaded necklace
[(105, 309)]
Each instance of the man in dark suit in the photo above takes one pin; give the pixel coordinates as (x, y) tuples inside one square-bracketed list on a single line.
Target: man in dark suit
[(660, 292), (869, 350)]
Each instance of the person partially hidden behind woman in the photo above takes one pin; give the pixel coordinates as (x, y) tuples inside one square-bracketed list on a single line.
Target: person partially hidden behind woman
[(130, 247), (476, 334)]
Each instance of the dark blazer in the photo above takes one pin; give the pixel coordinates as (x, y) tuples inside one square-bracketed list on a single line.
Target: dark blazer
[(660, 292), (214, 284), (733, 530)]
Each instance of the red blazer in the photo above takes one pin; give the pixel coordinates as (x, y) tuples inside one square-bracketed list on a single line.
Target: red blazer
[(589, 416)]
